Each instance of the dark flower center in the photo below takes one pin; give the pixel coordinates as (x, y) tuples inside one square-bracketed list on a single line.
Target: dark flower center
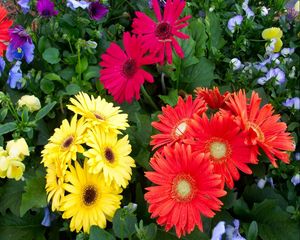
[(68, 142), (98, 116), (163, 30), (89, 195), (46, 13), (109, 155), (129, 68)]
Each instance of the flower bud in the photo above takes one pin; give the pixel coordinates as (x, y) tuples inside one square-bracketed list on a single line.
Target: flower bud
[(30, 101)]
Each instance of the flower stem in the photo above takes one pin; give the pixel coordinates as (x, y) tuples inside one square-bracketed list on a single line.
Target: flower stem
[(148, 98)]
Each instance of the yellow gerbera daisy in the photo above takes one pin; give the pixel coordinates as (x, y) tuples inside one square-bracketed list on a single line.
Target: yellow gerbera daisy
[(65, 142), (99, 112), (54, 184), (90, 200), (110, 155)]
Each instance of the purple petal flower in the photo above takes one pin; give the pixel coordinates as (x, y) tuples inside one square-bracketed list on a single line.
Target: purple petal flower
[(262, 80), (296, 179), (287, 51), (218, 231), (19, 36), (24, 4), (47, 219), (276, 73), (2, 65), (73, 4), (236, 64), (233, 232), (26, 51), (46, 8), (292, 103), (233, 22), (249, 12), (97, 10), (297, 156), (15, 76)]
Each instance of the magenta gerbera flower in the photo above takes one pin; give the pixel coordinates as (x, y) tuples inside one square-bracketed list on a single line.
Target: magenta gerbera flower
[(159, 37), (121, 72), (46, 8)]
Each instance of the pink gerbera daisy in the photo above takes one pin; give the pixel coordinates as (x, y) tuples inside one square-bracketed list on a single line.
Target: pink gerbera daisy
[(121, 72), (159, 37)]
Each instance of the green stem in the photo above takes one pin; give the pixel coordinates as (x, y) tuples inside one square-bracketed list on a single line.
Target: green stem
[(79, 63), (257, 40), (70, 46), (148, 98)]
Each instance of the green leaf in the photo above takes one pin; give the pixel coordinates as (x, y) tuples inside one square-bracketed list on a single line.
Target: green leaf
[(51, 55), (3, 113), (144, 129), (198, 33), (53, 77), (252, 231), (7, 127), (43, 44), (91, 72), (124, 223), (14, 228), (10, 198), (72, 89), (214, 31), (97, 233), (34, 195), (171, 98), (47, 86), (44, 111), (80, 68), (143, 158)]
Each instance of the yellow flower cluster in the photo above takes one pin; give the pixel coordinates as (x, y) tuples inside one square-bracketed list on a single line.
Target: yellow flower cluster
[(88, 163), (11, 158), (274, 34)]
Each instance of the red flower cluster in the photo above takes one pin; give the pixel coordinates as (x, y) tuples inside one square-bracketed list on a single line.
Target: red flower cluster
[(202, 145), (122, 74), (5, 24)]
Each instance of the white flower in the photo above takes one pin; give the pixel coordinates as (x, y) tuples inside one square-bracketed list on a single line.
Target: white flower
[(296, 179), (287, 51), (233, 22), (31, 102), (236, 64), (218, 231), (271, 46), (264, 11)]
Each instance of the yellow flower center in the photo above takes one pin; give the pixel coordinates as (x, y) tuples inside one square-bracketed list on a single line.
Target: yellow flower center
[(68, 141), (218, 148), (183, 188), (90, 195)]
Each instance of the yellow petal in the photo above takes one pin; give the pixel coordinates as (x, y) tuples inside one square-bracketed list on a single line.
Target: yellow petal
[(272, 32)]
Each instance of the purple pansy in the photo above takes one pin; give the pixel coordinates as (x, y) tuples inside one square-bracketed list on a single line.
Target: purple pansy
[(73, 4), (276, 73), (46, 8), (232, 232), (233, 22), (248, 11), (97, 10), (296, 179), (24, 4), (292, 103), (26, 51), (2, 65), (15, 76), (19, 36)]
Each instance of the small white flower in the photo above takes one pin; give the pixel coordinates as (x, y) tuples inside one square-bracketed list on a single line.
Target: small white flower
[(218, 231), (296, 179), (236, 64), (292, 73), (271, 46), (262, 80), (264, 11), (233, 22), (287, 51)]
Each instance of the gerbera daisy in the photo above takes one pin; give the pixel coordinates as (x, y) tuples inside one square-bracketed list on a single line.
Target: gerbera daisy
[(90, 200), (54, 184), (212, 97), (110, 156), (4, 26), (159, 37), (263, 127), (174, 121), (65, 142), (121, 72), (223, 140), (187, 188), (99, 112)]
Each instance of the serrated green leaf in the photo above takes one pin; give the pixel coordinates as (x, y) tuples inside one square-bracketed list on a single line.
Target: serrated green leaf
[(7, 127), (97, 233), (44, 111), (171, 98), (144, 129), (35, 194), (252, 231), (72, 89), (11, 196), (51, 55), (198, 33), (124, 223)]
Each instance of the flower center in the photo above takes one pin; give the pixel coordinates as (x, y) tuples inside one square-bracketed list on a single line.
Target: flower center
[(183, 188), (46, 13), (98, 116), (163, 31), (180, 128), (68, 142), (109, 155), (255, 131), (90, 195), (219, 149), (129, 68)]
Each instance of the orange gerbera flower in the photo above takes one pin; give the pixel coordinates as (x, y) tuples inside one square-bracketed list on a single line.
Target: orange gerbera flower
[(212, 97), (174, 121), (187, 188), (4, 26), (223, 140), (264, 129)]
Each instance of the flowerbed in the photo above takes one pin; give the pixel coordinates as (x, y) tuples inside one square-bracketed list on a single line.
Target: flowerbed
[(149, 120)]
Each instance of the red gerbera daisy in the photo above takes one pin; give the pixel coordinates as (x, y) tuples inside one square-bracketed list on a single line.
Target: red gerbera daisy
[(159, 37), (224, 141), (187, 188), (264, 129), (4, 26), (212, 97), (122, 74), (174, 121)]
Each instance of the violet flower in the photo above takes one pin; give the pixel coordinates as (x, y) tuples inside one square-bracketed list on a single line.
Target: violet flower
[(276, 73), (232, 232), (218, 231), (73, 4), (297, 156), (292, 103), (24, 4), (46, 8), (233, 22), (2, 65), (296, 179), (249, 12), (236, 64), (26, 51), (15, 76), (19, 36), (97, 11)]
